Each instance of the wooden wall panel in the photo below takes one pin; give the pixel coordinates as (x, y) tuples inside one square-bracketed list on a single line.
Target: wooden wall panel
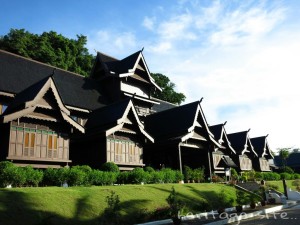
[(44, 146), (38, 145), (12, 143), (19, 144)]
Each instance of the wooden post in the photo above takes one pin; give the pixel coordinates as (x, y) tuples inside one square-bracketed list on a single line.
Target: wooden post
[(209, 166), (179, 155), (285, 188)]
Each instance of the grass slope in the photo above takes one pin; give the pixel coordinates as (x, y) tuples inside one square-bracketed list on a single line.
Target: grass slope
[(85, 205)]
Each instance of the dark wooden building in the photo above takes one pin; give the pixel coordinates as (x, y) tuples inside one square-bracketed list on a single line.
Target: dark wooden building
[(124, 78), (182, 137), (222, 157), (52, 117), (245, 153), (113, 134), (264, 153)]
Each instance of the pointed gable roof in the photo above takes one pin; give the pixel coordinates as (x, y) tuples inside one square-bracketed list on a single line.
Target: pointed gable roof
[(220, 135), (112, 118), (26, 103), (18, 73), (261, 146), (179, 123), (125, 67), (240, 141)]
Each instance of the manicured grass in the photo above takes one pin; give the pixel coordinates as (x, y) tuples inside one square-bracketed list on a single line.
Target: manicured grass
[(85, 205), (280, 184)]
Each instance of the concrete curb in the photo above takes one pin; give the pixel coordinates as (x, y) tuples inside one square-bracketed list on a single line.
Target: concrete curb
[(240, 217), (251, 215), (158, 222)]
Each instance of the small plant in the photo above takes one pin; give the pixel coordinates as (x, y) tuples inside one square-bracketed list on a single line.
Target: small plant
[(112, 213), (223, 201), (175, 206), (234, 174), (272, 186), (296, 183)]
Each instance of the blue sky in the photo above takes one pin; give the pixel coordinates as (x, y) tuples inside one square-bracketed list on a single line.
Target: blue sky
[(241, 56)]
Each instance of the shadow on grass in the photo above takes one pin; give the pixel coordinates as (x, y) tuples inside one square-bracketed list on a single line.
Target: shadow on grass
[(16, 208), (207, 201)]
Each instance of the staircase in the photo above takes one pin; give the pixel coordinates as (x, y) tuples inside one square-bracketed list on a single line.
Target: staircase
[(250, 186)]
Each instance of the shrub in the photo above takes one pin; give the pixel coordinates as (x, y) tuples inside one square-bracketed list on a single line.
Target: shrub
[(123, 178), (296, 176), (175, 203), (270, 176), (198, 174), (7, 171), (296, 183), (178, 176), (242, 198), (217, 179), (286, 176), (19, 176), (223, 200), (169, 176), (234, 174), (62, 175), (138, 175), (85, 174), (156, 177), (77, 177), (112, 214), (110, 167), (188, 173), (33, 176), (259, 176), (149, 169), (51, 177)]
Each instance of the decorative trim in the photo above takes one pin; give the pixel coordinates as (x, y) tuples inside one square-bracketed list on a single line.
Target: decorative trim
[(7, 94), (77, 109)]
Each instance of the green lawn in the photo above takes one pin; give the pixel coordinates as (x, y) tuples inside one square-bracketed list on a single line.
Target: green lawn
[(85, 205), (280, 184)]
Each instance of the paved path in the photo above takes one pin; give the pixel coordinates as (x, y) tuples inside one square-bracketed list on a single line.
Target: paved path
[(289, 216)]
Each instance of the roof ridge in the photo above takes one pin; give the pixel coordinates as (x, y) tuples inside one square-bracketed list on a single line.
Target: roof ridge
[(107, 55), (41, 63)]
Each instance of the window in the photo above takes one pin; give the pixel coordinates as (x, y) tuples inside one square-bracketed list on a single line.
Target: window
[(118, 151), (52, 146), (29, 143), (2, 108), (75, 118), (131, 153)]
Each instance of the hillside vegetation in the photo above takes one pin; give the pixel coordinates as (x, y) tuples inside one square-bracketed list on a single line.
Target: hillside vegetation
[(86, 205)]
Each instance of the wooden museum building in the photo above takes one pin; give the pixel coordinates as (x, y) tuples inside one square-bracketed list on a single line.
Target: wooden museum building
[(50, 117)]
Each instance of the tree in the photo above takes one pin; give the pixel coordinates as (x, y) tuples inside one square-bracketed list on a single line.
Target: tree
[(284, 154), (168, 93), (50, 48)]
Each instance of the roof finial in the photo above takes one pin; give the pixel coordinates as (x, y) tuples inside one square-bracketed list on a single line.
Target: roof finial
[(200, 100), (267, 135), (142, 49), (224, 123), (249, 129)]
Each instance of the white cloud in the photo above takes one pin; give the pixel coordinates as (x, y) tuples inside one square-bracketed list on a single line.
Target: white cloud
[(148, 23), (246, 71), (114, 43), (177, 28)]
